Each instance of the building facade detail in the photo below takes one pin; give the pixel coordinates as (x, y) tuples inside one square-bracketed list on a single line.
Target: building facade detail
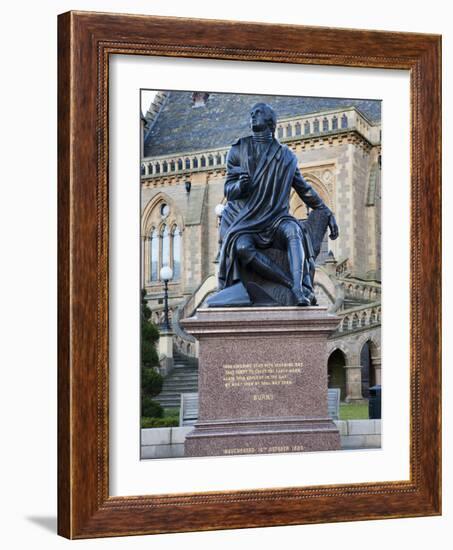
[(339, 153)]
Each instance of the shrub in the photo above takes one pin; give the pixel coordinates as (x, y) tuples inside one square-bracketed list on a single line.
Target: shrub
[(150, 335), (151, 408), (152, 382)]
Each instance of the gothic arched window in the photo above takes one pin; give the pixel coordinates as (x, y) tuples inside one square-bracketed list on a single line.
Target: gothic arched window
[(306, 127), (165, 166), (203, 161), (153, 256), (316, 126), (195, 162), (289, 130), (325, 125), (335, 123), (298, 129), (165, 235), (176, 253), (280, 132), (187, 164), (179, 164), (344, 121)]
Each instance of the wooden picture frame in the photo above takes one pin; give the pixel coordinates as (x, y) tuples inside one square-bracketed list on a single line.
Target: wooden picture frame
[(86, 40)]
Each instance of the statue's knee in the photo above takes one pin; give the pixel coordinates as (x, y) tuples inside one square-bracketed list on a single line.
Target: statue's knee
[(244, 250), (292, 231)]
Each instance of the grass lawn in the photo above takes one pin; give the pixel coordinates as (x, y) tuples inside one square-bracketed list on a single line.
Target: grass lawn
[(169, 420), (348, 411), (353, 411)]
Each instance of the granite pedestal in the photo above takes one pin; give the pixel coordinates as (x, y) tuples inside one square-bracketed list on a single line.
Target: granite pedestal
[(262, 381)]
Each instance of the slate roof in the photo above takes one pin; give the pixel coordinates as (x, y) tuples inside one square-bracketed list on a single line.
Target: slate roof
[(179, 127)]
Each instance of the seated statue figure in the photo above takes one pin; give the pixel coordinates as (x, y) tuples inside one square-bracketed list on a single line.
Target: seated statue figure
[(267, 256)]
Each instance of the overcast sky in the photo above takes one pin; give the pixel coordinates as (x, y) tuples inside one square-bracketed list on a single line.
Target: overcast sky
[(147, 97)]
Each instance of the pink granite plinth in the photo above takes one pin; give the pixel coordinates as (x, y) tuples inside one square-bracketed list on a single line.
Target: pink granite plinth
[(262, 381)]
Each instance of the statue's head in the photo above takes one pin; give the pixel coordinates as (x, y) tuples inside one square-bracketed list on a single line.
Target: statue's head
[(262, 116)]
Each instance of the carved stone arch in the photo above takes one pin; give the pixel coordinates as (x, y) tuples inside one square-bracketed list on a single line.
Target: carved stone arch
[(336, 370), (342, 346), (370, 362), (369, 337), (162, 226), (297, 208), (151, 216)]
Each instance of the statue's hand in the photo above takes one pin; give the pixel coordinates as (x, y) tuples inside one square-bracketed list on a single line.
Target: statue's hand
[(333, 227), (244, 182)]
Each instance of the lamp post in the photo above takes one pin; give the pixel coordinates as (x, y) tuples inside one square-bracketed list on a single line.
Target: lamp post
[(166, 274)]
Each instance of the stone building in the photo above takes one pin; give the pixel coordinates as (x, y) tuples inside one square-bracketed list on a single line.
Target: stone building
[(186, 137)]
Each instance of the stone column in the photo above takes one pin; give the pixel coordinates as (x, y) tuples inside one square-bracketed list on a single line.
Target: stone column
[(353, 382), (376, 363), (166, 352), (145, 259)]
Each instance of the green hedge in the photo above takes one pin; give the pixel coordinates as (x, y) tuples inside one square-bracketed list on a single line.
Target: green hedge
[(169, 422), (152, 382), (151, 408)]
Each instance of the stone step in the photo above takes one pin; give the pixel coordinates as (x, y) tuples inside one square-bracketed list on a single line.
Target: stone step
[(179, 377), (178, 387), (182, 379)]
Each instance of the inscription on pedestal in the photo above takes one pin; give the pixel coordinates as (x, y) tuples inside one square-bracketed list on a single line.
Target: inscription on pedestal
[(265, 450), (260, 375)]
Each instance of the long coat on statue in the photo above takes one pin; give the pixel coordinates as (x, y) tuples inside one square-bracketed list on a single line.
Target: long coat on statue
[(260, 208)]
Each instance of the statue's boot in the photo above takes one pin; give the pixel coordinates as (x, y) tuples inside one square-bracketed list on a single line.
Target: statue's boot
[(268, 269), (307, 282), (296, 261)]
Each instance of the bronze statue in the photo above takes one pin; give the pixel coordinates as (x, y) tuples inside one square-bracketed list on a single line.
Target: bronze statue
[(267, 256)]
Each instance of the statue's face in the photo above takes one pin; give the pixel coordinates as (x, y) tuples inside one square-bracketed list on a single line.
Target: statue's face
[(259, 117)]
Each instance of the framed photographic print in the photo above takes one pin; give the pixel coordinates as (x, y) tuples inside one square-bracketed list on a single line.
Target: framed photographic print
[(249, 276)]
